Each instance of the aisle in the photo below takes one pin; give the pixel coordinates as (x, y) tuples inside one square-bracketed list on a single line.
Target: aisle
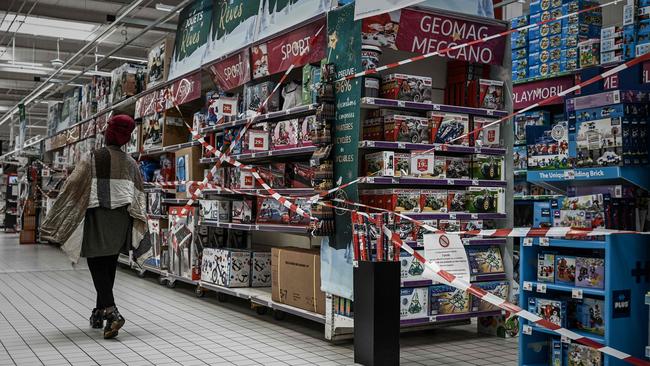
[(45, 305)]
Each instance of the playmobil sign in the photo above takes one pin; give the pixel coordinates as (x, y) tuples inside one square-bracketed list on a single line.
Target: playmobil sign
[(530, 93), (429, 32)]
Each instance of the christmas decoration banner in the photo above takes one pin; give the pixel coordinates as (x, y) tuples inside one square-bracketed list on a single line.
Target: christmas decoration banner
[(424, 32), (233, 71), (191, 37), (287, 49)]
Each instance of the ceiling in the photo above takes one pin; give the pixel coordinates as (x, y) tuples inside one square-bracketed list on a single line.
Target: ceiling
[(30, 29)]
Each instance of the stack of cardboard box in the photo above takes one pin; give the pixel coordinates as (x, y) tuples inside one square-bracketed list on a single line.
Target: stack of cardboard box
[(28, 232)]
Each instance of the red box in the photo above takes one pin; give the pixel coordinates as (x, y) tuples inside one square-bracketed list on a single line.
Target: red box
[(402, 128), (403, 200), (409, 88)]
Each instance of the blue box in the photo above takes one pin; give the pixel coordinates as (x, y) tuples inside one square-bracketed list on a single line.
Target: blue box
[(629, 34), (572, 41), (535, 18), (546, 29), (611, 44), (551, 55), (533, 59), (556, 352), (533, 71), (589, 31), (519, 54), (613, 56), (551, 310), (520, 75), (538, 6), (629, 51), (572, 6), (588, 18), (589, 315), (518, 22), (519, 39), (544, 43), (519, 65)]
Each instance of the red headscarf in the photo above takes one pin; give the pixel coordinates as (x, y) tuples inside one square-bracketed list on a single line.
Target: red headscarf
[(119, 130)]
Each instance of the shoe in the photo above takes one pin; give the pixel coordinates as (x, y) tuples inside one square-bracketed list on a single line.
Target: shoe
[(114, 321), (97, 319)]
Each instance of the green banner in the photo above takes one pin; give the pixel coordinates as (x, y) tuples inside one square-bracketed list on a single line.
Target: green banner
[(191, 36), (229, 15), (344, 50)]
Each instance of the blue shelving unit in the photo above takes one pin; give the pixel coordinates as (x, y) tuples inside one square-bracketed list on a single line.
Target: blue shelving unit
[(626, 269)]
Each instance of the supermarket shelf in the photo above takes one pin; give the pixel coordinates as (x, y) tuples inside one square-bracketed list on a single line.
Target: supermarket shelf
[(455, 216), (474, 278), (521, 172), (592, 336), (176, 201), (298, 151), (566, 288), (166, 149), (435, 182), (545, 77), (368, 144), (123, 259), (543, 197), (375, 103), (283, 191), (445, 317), (560, 180), (285, 114), (155, 270), (466, 241), (172, 277), (257, 227)]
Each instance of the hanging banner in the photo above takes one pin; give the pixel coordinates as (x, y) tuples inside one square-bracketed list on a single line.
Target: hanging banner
[(344, 48), (234, 26), (424, 32), (288, 49), (181, 91), (278, 15), (524, 95), (191, 38), (22, 126), (233, 71), (368, 8)]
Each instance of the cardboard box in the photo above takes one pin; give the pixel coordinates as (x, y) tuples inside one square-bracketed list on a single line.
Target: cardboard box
[(414, 303), (448, 300), (29, 222), (422, 165), (296, 279), (215, 210), (242, 211), (447, 127), (27, 237), (188, 168), (233, 267), (381, 163), (261, 269), (408, 88)]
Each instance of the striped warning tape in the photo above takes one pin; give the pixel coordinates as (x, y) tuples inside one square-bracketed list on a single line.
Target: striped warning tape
[(444, 51), (434, 271)]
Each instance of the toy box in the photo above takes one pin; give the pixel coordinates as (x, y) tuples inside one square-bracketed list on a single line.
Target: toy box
[(612, 111), (293, 218), (447, 128), (519, 75), (233, 267), (449, 225), (546, 267), (548, 148), (422, 164), (152, 131), (381, 163), (599, 142), (500, 289), (373, 129), (306, 130), (270, 211), (589, 52), (126, 81), (410, 268), (565, 269), (414, 303), (154, 204), (519, 21), (589, 18), (579, 355), (404, 200), (258, 140), (539, 118), (592, 202), (519, 40), (261, 268), (590, 272), (407, 129), (551, 310), (588, 315), (611, 44), (489, 134), (448, 300), (613, 31), (256, 94), (546, 29), (209, 272), (242, 211), (457, 168), (520, 54), (538, 6), (491, 94), (273, 174), (433, 200), (246, 180), (521, 64), (402, 164), (487, 167), (457, 200), (484, 260), (299, 175), (408, 88), (483, 200), (215, 210), (285, 134)]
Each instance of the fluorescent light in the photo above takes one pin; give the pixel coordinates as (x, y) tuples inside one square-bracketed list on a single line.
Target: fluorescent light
[(164, 7), (131, 59), (38, 70), (47, 27)]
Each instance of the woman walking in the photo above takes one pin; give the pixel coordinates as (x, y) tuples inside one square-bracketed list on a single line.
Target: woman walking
[(100, 210)]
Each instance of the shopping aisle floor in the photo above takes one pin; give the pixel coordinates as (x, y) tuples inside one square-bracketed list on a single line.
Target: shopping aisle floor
[(45, 305)]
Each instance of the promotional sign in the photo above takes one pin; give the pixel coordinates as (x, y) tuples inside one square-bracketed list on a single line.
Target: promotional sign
[(278, 15), (621, 303), (344, 48), (368, 8), (191, 38), (233, 71), (449, 252), (530, 93), (288, 49), (424, 32), (22, 129), (179, 92), (234, 26)]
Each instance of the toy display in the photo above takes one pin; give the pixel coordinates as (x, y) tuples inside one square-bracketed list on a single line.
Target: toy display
[(414, 303), (546, 267), (491, 94), (487, 167), (411, 268), (407, 129), (407, 88), (423, 165), (548, 148), (565, 269), (485, 260), (447, 128), (486, 136), (457, 168), (551, 310), (579, 355), (381, 163), (590, 272), (242, 212), (588, 315), (448, 300)]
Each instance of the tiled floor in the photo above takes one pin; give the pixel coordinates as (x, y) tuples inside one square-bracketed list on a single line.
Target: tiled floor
[(45, 304)]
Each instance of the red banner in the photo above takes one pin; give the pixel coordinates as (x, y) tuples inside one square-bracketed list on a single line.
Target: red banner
[(287, 49), (180, 92), (233, 71), (424, 32), (529, 93)]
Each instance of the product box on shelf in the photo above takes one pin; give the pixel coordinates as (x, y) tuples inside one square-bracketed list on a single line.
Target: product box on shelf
[(519, 75), (612, 111), (434, 200), (152, 131), (457, 200), (296, 279), (554, 311), (209, 271), (449, 127), (271, 211), (423, 164), (565, 269), (404, 200), (482, 200), (546, 267), (538, 118), (126, 81), (578, 355), (215, 210), (588, 315), (299, 175), (407, 88), (485, 260), (600, 142), (520, 21), (257, 140), (521, 64), (284, 134), (548, 147), (273, 174), (414, 303), (500, 289), (488, 167), (154, 204), (242, 211), (613, 31), (611, 44), (407, 129), (256, 94), (159, 59), (410, 268), (233, 267), (520, 54), (589, 52), (490, 94), (381, 163), (184, 260), (402, 165), (373, 129), (489, 134), (457, 167), (578, 219), (519, 40), (188, 168), (590, 272), (261, 268), (448, 300), (306, 130)]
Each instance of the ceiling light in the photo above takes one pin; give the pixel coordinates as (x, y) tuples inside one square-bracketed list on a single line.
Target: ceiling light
[(47, 27), (164, 7), (131, 59)]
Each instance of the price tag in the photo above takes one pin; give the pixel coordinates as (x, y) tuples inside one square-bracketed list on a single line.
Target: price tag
[(401, 145), (452, 216), (270, 152), (576, 293), (370, 143), (436, 107), (437, 148), (401, 103), (527, 329), (528, 286), (477, 150), (46, 173), (370, 100), (528, 242), (565, 339), (474, 182), (432, 319), (490, 112), (474, 216), (451, 182), (569, 174), (544, 242), (541, 288), (253, 155), (355, 264), (465, 241)]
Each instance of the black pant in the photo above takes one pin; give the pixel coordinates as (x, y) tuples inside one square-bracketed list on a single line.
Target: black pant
[(103, 270)]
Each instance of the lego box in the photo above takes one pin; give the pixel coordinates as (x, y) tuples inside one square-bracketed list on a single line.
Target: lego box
[(407, 88), (546, 267), (599, 142), (565, 269), (551, 310), (589, 315), (548, 148), (590, 272)]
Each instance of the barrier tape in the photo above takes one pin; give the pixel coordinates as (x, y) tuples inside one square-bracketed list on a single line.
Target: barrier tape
[(433, 270)]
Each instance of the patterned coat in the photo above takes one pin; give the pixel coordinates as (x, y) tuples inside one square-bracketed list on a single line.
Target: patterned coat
[(100, 179)]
